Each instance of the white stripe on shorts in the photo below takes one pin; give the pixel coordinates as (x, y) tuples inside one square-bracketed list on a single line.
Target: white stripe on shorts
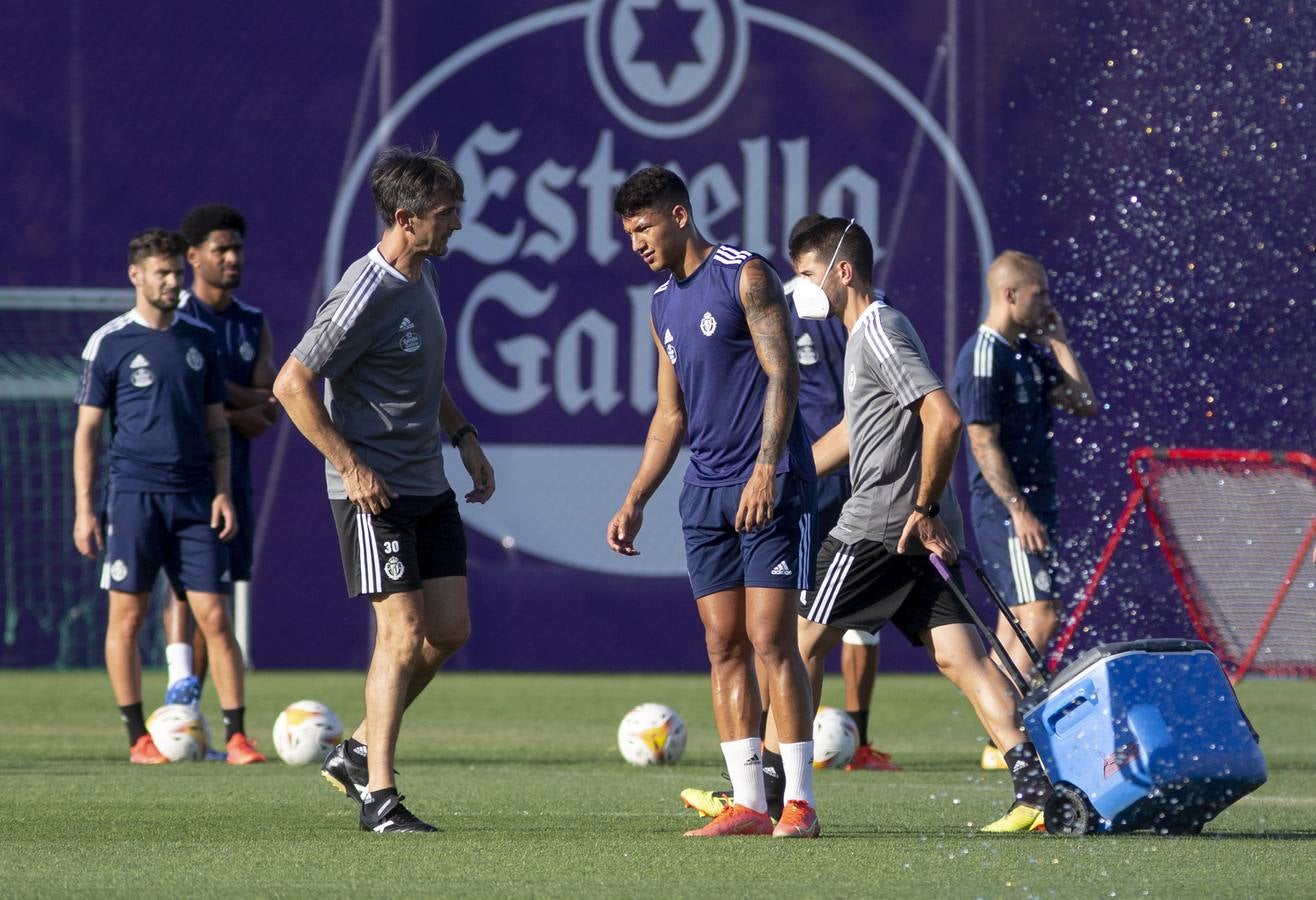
[(831, 585), (804, 564), (1023, 574), (368, 554)]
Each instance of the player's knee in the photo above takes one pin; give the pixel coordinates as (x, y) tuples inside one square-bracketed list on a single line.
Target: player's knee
[(725, 648), (449, 637)]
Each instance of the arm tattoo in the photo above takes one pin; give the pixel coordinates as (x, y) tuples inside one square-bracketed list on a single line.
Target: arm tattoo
[(770, 328)]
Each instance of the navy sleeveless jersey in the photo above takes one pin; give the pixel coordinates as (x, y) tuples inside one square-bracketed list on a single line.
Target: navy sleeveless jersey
[(702, 327), (155, 386), (237, 330)]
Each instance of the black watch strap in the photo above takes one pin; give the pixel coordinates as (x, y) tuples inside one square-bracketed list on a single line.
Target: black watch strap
[(460, 433), (930, 510)]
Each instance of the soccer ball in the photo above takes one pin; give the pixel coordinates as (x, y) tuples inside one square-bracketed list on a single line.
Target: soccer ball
[(305, 732), (651, 734), (178, 732), (835, 738)]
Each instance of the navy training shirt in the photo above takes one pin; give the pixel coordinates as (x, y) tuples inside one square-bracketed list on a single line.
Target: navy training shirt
[(998, 384), (702, 328), (237, 330), (156, 386)]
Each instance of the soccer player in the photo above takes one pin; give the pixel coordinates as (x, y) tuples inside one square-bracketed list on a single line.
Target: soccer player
[(159, 376), (379, 341), (900, 433), (215, 235), (1008, 376), (728, 380)]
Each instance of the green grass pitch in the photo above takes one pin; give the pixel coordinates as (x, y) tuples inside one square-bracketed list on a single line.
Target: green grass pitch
[(522, 774)]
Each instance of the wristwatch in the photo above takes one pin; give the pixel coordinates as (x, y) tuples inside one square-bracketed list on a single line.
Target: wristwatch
[(460, 433), (930, 510)]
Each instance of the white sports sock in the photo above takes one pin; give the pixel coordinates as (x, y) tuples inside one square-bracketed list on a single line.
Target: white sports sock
[(744, 759), (179, 658), (798, 762)]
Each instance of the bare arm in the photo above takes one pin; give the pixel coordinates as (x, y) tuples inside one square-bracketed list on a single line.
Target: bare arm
[(666, 431), (770, 329), (941, 439), (477, 465), (87, 534), (985, 444), (222, 517), (295, 389), (832, 450), (1074, 394)]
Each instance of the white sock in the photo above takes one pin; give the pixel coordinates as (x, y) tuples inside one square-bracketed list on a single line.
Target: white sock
[(179, 658), (798, 762), (744, 759)]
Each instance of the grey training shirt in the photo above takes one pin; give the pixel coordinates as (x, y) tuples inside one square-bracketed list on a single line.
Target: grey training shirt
[(886, 372), (379, 342)]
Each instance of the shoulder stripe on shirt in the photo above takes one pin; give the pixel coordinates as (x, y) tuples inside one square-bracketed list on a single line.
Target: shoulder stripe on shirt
[(357, 296), (93, 344), (730, 256), (878, 341), (982, 356)]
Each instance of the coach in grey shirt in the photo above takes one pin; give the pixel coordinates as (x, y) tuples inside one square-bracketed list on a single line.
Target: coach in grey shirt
[(379, 343), (900, 434)]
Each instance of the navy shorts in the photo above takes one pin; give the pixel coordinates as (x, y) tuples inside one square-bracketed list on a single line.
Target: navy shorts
[(146, 532), (417, 538), (833, 491), (1021, 577), (779, 556), (241, 548)]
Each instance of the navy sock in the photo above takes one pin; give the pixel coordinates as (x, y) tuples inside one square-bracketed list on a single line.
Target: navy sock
[(132, 718), (860, 717)]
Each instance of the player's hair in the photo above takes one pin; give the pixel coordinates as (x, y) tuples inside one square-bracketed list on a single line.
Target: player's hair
[(1022, 266), (822, 237), (654, 188), (414, 180), (201, 221), (156, 242), (803, 224)]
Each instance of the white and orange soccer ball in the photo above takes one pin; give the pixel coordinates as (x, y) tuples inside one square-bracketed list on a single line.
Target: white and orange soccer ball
[(178, 732), (835, 738), (305, 732), (651, 734)]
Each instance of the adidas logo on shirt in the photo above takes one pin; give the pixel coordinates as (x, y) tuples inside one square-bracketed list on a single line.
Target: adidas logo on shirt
[(781, 568), (405, 324), (138, 362)]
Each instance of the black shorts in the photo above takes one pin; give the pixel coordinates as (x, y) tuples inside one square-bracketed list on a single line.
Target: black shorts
[(414, 540), (864, 586)]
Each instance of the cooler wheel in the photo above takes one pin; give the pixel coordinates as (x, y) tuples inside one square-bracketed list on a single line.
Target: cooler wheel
[(1069, 812)]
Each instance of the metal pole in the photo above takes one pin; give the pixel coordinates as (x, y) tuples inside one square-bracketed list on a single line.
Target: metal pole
[(950, 305)]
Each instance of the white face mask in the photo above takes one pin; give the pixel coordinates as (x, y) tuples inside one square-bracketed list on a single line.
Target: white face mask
[(810, 301)]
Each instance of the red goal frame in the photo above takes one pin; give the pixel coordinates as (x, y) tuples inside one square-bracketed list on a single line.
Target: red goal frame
[(1144, 465)]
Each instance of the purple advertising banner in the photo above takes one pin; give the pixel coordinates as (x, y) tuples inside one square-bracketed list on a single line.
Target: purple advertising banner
[(1158, 163)]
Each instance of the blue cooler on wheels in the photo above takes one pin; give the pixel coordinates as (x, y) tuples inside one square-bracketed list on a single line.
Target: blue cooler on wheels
[(1144, 734)]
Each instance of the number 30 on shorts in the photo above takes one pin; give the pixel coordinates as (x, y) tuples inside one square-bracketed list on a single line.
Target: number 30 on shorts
[(389, 547)]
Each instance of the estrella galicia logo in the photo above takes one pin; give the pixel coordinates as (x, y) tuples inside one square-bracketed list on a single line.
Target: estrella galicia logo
[(546, 308)]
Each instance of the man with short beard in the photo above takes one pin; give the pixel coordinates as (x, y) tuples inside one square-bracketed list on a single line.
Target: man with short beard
[(159, 376)]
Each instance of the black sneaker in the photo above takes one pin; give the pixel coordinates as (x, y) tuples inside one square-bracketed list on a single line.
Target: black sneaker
[(346, 772), (389, 816)]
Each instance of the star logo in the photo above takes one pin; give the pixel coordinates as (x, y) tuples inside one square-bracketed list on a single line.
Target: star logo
[(667, 36)]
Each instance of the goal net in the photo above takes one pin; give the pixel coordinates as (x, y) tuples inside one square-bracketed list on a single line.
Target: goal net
[(1236, 528), (52, 607)]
